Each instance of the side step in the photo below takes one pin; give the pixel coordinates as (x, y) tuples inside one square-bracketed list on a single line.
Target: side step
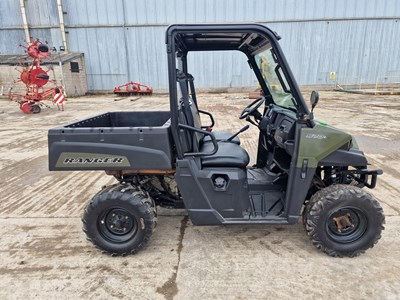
[(266, 193), (266, 204), (263, 204)]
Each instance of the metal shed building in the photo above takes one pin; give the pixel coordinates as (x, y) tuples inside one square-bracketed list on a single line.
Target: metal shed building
[(123, 40)]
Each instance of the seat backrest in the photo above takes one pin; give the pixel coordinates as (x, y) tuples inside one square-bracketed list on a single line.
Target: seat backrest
[(190, 139)]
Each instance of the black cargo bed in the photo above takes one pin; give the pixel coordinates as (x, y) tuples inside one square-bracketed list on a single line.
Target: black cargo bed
[(113, 141)]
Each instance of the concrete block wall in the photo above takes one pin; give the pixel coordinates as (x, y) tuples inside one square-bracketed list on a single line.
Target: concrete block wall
[(75, 83), (8, 75)]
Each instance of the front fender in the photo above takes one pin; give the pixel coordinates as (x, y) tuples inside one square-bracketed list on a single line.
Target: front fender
[(318, 143), (343, 157)]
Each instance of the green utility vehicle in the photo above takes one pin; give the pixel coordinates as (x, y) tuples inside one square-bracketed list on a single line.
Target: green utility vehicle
[(169, 158)]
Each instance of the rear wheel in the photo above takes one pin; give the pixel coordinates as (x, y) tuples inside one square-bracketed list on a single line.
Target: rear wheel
[(119, 219), (343, 220)]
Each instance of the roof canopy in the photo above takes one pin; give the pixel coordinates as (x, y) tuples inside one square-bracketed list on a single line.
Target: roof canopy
[(247, 38)]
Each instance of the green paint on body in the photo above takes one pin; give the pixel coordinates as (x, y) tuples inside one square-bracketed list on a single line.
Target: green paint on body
[(318, 142), (322, 123), (90, 160)]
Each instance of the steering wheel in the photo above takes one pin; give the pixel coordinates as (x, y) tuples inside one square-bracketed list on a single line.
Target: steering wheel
[(252, 107)]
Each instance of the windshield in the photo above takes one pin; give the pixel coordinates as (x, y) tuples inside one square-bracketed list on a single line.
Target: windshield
[(275, 79)]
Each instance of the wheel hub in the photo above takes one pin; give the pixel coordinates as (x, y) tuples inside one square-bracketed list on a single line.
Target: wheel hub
[(346, 224), (343, 222), (118, 221)]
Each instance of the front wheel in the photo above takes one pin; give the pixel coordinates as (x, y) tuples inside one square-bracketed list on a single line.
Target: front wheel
[(343, 220), (119, 220)]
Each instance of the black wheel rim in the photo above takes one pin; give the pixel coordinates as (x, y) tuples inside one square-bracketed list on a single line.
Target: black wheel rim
[(35, 109), (117, 225), (346, 225)]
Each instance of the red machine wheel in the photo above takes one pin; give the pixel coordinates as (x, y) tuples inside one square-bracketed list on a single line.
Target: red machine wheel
[(25, 107), (29, 108), (35, 76)]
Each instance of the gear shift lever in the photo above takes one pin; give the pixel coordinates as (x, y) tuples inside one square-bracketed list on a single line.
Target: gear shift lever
[(237, 133)]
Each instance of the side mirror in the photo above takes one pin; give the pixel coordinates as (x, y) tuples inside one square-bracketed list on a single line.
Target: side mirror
[(314, 99)]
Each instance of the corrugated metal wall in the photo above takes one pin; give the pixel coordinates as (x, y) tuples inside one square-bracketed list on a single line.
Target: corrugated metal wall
[(124, 39)]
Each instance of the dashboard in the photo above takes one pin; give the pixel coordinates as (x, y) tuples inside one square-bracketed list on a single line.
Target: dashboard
[(278, 131)]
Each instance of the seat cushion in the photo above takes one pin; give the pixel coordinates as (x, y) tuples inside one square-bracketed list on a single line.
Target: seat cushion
[(228, 155), (222, 135)]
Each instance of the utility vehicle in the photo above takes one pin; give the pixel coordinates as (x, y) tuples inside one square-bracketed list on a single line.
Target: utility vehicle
[(169, 158)]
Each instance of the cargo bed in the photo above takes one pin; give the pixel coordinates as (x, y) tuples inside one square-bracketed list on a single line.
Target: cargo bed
[(113, 141)]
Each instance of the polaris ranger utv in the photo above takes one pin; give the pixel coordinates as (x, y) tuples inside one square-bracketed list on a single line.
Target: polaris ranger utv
[(169, 158)]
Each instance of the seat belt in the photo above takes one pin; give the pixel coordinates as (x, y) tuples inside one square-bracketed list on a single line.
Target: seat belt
[(188, 112), (185, 97), (192, 90)]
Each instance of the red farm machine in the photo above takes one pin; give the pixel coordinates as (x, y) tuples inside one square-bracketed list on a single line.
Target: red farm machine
[(132, 88), (35, 78)]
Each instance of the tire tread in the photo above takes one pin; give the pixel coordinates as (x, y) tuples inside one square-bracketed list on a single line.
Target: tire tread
[(326, 197), (129, 194)]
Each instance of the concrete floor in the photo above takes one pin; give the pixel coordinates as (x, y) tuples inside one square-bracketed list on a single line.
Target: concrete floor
[(44, 254)]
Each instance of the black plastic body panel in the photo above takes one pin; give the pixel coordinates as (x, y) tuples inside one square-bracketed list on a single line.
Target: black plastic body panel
[(299, 181), (206, 203), (113, 141), (231, 203), (296, 192), (342, 157)]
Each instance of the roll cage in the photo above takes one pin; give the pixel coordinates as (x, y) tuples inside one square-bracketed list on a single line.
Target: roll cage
[(249, 39)]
